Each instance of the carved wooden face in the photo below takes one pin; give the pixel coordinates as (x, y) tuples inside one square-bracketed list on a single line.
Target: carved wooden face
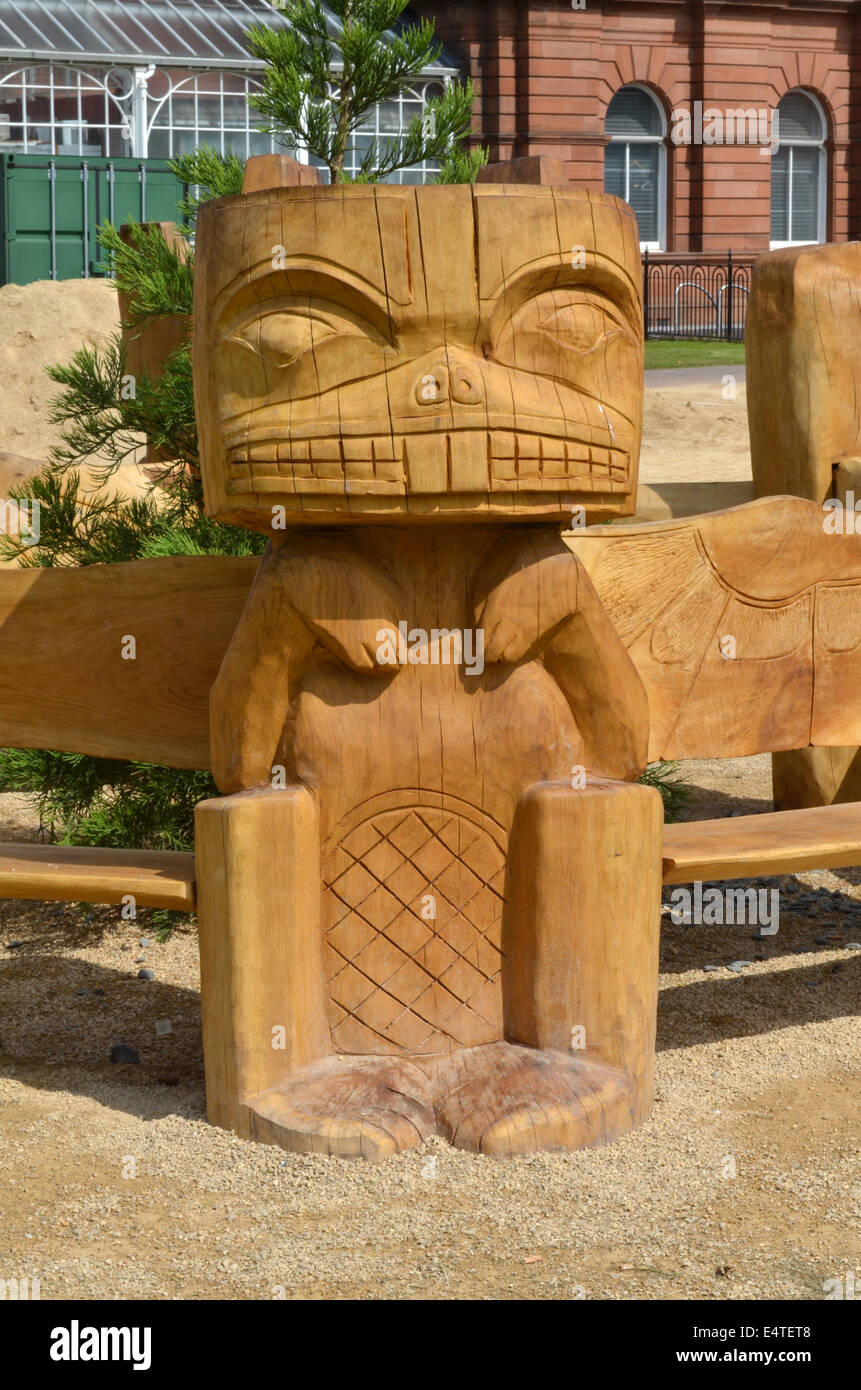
[(386, 353)]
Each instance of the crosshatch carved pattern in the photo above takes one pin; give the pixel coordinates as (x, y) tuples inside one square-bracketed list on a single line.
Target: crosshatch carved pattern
[(400, 982)]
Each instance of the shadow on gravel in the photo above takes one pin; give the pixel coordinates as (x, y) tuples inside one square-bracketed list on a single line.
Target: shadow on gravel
[(737, 1006)]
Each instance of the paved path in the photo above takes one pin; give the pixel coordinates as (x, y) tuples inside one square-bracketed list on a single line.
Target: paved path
[(694, 376)]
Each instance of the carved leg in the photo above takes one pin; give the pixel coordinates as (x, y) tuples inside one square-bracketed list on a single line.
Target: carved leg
[(267, 1050), (580, 943), (262, 995)]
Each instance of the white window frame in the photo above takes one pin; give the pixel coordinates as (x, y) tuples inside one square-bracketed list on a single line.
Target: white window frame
[(75, 81), (661, 141), (822, 174), (185, 89)]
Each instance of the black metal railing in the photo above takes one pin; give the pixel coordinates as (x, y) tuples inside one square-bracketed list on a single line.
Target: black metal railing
[(695, 299)]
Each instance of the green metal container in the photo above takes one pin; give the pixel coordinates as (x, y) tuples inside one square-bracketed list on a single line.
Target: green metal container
[(51, 208)]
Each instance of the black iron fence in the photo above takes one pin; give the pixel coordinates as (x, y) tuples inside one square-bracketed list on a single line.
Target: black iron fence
[(695, 299)]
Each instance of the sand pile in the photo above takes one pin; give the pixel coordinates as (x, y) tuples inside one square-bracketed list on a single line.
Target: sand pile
[(692, 434), (42, 324)]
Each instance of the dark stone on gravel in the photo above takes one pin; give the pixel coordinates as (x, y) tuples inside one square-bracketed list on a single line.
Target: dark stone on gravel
[(13, 945), (146, 974), (121, 1052)]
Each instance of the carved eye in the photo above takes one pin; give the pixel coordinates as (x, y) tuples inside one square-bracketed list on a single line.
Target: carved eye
[(563, 333), (579, 327), (283, 338)]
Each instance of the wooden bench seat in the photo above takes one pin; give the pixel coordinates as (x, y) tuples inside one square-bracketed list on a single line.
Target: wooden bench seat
[(779, 842), (782, 842), (63, 873)]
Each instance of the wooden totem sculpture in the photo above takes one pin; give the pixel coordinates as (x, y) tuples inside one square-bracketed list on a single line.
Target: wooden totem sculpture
[(429, 900), (804, 384)]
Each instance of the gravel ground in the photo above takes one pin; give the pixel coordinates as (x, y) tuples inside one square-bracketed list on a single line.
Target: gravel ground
[(745, 1183)]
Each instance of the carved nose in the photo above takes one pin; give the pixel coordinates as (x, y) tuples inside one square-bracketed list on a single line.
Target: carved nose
[(455, 380), (432, 387), (466, 388)]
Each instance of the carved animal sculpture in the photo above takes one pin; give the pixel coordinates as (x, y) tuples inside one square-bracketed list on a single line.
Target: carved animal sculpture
[(411, 389)]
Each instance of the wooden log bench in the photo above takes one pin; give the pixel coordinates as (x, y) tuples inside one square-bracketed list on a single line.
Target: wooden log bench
[(764, 575), (760, 846), (71, 873)]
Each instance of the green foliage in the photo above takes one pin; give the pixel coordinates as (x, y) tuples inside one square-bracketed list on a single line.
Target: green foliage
[(462, 166), (667, 779), (211, 173), (157, 278), (318, 91), (97, 801), (105, 415)]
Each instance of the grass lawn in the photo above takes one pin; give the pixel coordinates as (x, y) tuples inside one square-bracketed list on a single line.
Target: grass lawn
[(692, 352)]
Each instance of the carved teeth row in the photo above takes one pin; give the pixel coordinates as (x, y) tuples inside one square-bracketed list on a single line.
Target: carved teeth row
[(468, 461)]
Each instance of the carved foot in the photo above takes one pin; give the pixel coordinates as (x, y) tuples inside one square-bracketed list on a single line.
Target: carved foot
[(357, 1107), (505, 1099)]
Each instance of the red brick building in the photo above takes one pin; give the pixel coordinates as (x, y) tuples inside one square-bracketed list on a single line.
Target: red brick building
[(598, 87)]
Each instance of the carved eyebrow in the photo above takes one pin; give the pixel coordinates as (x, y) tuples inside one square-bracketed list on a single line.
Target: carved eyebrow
[(297, 284), (600, 277)]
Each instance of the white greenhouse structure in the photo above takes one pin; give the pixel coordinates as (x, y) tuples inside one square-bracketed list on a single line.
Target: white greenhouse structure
[(148, 79)]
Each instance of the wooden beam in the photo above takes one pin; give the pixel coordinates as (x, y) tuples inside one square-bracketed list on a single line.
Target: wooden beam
[(68, 680), (780, 842), (72, 873)]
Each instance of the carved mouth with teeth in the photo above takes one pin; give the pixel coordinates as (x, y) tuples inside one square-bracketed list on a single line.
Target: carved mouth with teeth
[(462, 461)]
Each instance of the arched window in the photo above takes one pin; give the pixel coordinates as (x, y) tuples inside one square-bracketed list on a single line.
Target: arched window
[(798, 172), (635, 161)]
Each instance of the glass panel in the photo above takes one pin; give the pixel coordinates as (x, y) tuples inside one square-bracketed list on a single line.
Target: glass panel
[(805, 193), (633, 112), (644, 163), (161, 29), (780, 195), (614, 169), (390, 116), (236, 140), (159, 144), (260, 143), (799, 119)]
